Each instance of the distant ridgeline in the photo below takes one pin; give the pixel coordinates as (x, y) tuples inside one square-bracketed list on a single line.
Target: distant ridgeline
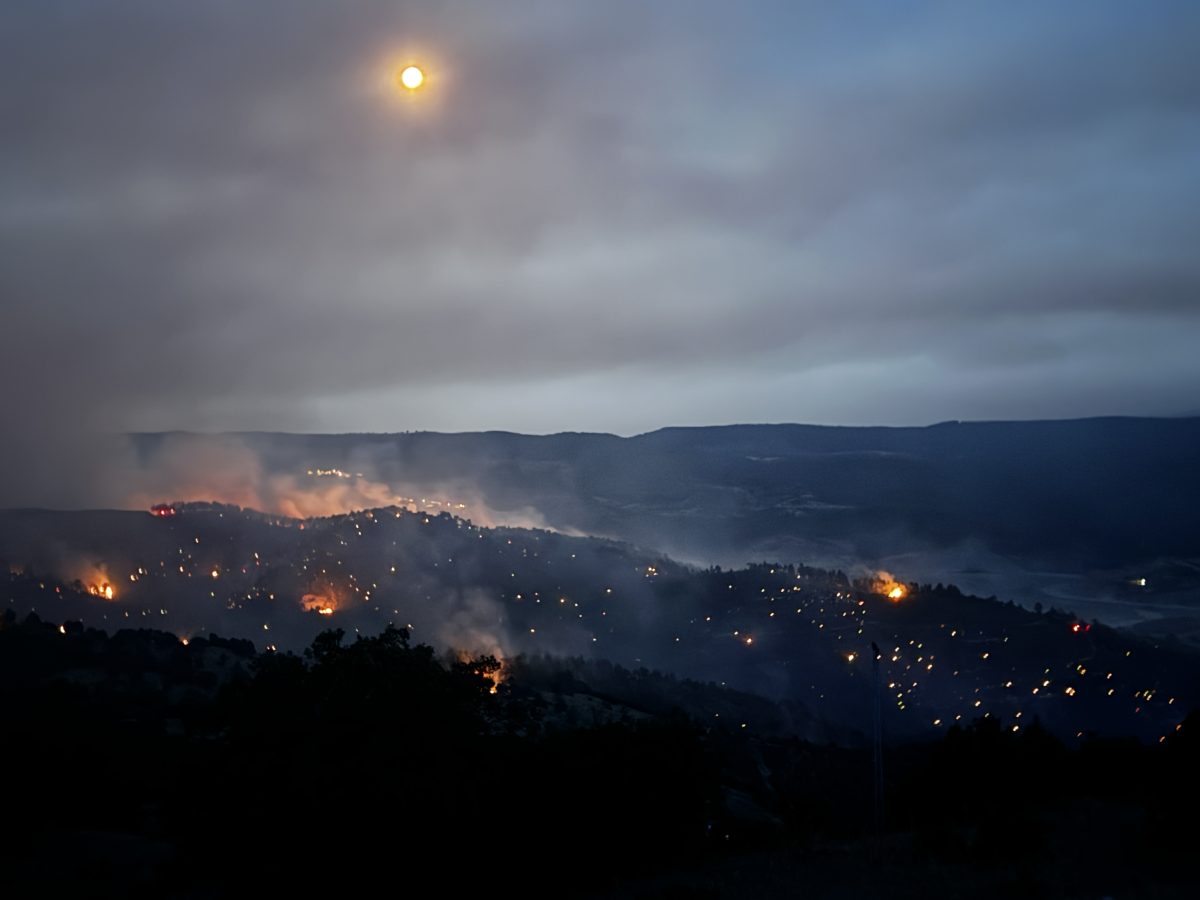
[(1079, 494), (802, 637)]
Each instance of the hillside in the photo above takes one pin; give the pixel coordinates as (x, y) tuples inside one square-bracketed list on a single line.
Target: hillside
[(1048, 511), (798, 635)]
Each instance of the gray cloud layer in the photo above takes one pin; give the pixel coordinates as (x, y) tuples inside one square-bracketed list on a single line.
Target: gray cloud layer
[(602, 216)]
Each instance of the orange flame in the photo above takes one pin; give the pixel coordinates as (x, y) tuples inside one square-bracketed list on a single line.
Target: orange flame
[(101, 590), (94, 579), (494, 677), (885, 583), (322, 598)]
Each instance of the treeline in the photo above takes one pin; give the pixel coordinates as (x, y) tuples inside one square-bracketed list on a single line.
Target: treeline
[(135, 765), (132, 765)]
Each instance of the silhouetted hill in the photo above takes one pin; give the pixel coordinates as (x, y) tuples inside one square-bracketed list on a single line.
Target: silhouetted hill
[(133, 768)]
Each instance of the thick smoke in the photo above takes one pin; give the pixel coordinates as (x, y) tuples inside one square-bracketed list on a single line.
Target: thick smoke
[(125, 472), (476, 625)]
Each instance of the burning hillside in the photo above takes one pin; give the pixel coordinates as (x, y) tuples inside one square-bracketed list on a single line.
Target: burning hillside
[(791, 632)]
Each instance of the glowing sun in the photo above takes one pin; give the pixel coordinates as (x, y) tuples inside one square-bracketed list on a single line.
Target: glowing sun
[(411, 77)]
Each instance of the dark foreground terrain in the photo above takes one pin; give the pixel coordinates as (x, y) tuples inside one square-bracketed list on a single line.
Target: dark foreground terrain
[(137, 765)]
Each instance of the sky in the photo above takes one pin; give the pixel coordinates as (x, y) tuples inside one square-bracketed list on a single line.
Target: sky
[(593, 216)]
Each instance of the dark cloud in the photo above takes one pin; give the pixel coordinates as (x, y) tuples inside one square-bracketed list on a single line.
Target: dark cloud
[(214, 216)]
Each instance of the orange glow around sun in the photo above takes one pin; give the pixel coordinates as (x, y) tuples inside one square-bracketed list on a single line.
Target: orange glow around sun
[(411, 77)]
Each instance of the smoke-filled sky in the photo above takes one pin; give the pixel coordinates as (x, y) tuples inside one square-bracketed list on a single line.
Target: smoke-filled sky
[(596, 216)]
